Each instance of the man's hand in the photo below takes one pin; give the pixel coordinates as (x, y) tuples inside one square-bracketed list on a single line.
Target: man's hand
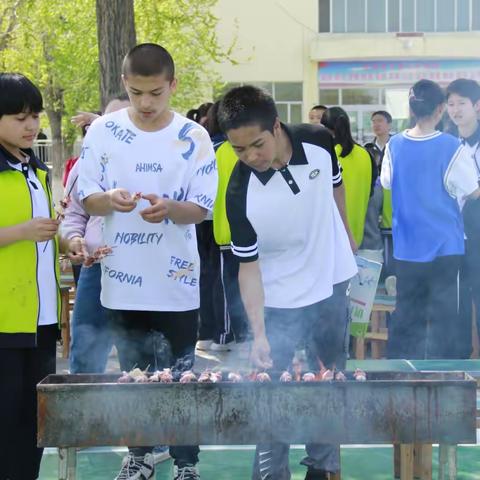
[(260, 355), (121, 200), (83, 118), (158, 211), (40, 229), (77, 251)]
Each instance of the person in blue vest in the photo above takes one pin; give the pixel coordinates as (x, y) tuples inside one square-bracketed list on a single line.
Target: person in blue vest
[(29, 277), (428, 172)]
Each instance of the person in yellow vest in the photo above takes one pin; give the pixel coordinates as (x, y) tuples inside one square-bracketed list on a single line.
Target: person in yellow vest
[(236, 317), (29, 277), (356, 167)]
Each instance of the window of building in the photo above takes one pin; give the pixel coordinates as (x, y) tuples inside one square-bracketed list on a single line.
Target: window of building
[(374, 16), (445, 15), (288, 97), (475, 14), (356, 15), (425, 15)]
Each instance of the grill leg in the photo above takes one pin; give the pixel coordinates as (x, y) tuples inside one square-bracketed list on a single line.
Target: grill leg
[(423, 461), (406, 462), (447, 464), (67, 463)]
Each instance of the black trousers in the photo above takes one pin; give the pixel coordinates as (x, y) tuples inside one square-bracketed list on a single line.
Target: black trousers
[(209, 253), (20, 371), (157, 340), (222, 315), (469, 296), (426, 315), (323, 327)]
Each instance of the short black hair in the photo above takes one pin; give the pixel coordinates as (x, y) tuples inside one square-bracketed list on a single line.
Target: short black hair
[(18, 94), (147, 60), (384, 114), (319, 107), (425, 96), (465, 87), (245, 106), (337, 120), (196, 114)]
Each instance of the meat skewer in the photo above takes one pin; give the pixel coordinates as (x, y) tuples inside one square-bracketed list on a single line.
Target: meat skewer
[(286, 376), (309, 377), (188, 377), (360, 375), (234, 377), (263, 377)]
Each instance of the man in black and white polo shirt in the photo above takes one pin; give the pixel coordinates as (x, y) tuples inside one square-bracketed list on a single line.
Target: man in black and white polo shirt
[(285, 205)]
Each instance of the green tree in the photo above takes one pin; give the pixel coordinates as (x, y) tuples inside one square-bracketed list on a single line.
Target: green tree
[(55, 45)]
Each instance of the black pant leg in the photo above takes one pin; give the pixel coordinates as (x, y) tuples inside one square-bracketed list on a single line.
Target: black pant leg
[(327, 330), (443, 308), (235, 308), (407, 330), (180, 329), (20, 371), (209, 253), (463, 335)]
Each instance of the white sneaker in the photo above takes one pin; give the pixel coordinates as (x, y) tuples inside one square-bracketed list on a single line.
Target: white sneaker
[(222, 347), (187, 472), (203, 344), (391, 285), (137, 468)]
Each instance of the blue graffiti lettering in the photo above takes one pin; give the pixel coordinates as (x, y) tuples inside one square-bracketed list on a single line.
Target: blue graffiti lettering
[(148, 167), (182, 135), (124, 135), (205, 201), (127, 238), (122, 277), (207, 169), (83, 152)]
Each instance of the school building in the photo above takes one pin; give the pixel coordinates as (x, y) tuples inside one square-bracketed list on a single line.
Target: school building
[(361, 54)]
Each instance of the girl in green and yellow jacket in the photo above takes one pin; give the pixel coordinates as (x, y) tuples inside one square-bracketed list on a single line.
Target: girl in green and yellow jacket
[(356, 169), (29, 293)]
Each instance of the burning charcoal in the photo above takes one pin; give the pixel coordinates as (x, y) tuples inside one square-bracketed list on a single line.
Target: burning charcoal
[(263, 377), (360, 375), (340, 376), (327, 375), (234, 377), (252, 377), (309, 377), (125, 378), (286, 376), (188, 377)]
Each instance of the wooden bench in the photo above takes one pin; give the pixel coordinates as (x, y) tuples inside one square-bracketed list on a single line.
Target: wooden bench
[(377, 334)]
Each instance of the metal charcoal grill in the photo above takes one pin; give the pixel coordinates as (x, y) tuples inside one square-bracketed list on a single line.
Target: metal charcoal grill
[(403, 408), (89, 410)]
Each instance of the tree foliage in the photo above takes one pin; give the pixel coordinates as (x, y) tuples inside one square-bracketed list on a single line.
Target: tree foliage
[(55, 45)]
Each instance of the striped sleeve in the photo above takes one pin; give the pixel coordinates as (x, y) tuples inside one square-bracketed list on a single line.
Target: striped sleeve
[(336, 170), (244, 238)]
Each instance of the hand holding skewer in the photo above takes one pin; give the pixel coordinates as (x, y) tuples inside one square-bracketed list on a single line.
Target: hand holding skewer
[(260, 355), (40, 229)]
